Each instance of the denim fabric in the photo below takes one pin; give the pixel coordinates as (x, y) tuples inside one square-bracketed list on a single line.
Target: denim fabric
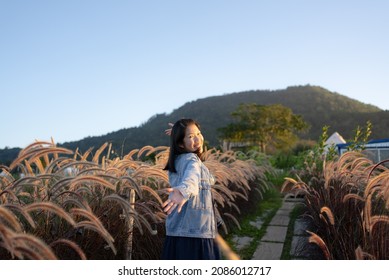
[(194, 181)]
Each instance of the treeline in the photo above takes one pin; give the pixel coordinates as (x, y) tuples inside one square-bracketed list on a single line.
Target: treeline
[(317, 106)]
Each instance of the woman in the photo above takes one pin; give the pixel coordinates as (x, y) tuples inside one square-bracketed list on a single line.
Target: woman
[(190, 224)]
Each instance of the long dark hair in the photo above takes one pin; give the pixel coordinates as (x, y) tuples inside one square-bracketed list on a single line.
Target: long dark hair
[(177, 140)]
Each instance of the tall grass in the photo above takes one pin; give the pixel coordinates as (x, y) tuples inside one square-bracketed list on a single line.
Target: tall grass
[(349, 205), (61, 204)]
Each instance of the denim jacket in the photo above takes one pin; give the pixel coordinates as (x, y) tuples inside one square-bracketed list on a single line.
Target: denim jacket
[(194, 181)]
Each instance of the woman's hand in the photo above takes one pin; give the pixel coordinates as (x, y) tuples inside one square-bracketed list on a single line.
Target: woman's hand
[(176, 199)]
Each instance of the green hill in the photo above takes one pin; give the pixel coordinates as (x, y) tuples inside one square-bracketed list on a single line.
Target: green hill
[(318, 106)]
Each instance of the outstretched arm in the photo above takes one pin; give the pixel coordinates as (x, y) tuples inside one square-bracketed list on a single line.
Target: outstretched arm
[(176, 199)]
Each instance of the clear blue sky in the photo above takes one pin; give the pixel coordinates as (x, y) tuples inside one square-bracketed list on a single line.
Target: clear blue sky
[(76, 68)]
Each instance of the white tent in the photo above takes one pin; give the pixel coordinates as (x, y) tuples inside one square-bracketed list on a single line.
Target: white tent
[(333, 140)]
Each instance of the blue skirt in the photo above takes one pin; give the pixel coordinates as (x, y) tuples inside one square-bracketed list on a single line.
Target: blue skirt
[(190, 248)]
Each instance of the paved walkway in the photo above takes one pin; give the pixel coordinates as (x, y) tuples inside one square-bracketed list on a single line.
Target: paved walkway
[(272, 243)]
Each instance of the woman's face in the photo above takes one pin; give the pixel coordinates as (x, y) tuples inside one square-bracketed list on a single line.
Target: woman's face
[(193, 139)]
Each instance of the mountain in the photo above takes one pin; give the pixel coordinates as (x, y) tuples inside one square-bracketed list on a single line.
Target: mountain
[(318, 107)]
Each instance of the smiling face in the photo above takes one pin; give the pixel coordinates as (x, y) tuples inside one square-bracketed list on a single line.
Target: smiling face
[(185, 137), (193, 140)]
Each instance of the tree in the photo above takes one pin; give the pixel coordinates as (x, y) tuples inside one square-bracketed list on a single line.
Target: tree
[(264, 126)]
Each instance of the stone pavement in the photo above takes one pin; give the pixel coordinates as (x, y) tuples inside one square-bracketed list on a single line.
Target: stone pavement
[(272, 243)]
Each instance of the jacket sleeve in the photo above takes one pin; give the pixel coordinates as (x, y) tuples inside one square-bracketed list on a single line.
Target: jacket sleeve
[(191, 176)]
